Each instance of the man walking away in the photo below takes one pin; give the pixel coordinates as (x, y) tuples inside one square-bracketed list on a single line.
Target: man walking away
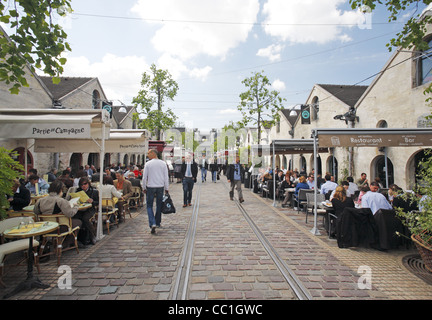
[(155, 180), (234, 176), (189, 171)]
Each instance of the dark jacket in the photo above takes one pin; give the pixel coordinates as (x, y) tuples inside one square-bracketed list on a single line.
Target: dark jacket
[(194, 169), (92, 193), (21, 199), (356, 227), (230, 172)]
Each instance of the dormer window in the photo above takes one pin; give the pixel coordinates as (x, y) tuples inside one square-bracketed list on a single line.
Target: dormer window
[(424, 66)]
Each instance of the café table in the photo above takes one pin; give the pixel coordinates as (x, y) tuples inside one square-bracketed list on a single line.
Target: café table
[(29, 231), (328, 207), (35, 197)]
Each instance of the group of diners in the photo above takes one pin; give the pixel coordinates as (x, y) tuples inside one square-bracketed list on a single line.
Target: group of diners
[(348, 193), (57, 191)]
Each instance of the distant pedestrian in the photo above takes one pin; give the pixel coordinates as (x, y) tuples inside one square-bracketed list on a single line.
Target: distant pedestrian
[(234, 175), (214, 168), (189, 171), (204, 167), (155, 180)]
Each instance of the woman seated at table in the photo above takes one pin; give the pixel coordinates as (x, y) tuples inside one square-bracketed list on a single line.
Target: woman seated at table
[(21, 196), (54, 203), (300, 185), (340, 201), (87, 233), (286, 184), (109, 191)]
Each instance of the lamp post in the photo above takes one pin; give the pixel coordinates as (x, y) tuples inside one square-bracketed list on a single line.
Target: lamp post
[(350, 118)]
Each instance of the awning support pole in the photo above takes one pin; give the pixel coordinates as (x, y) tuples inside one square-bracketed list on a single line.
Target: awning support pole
[(315, 230)]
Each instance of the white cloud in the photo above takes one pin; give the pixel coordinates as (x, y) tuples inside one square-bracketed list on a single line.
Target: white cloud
[(309, 21), (109, 70), (188, 40), (278, 85), (272, 52), (176, 68)]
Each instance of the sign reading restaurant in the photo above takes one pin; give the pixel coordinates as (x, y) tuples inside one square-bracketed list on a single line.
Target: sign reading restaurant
[(382, 140)]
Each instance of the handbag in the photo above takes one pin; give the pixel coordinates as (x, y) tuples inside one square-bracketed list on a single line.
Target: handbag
[(167, 205)]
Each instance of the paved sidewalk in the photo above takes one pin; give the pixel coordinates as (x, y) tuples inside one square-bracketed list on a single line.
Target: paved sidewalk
[(228, 262)]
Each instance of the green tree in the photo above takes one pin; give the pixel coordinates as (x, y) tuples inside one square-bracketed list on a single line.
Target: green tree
[(9, 170), (36, 41), (259, 101), (157, 86)]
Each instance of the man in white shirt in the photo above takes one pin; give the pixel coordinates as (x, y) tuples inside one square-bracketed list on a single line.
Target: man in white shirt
[(375, 200), (352, 186), (328, 185), (155, 180)]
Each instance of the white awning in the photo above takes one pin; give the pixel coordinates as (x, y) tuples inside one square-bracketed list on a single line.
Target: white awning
[(120, 141), (52, 123)]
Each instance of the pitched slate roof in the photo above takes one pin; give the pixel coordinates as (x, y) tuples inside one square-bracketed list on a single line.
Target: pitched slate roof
[(346, 93), (66, 85)]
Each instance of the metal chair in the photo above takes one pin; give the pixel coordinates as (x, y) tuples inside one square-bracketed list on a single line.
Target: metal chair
[(301, 198), (310, 204)]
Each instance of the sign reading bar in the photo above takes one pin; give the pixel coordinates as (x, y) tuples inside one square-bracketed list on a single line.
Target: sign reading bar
[(382, 140)]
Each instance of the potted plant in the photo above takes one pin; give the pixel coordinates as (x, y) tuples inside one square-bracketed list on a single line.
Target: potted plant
[(419, 222), (9, 170)]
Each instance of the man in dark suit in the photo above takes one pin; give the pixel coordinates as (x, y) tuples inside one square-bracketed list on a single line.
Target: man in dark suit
[(189, 171), (21, 197), (235, 173)]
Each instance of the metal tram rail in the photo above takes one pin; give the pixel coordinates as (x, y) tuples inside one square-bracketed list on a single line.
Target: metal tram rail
[(182, 279)]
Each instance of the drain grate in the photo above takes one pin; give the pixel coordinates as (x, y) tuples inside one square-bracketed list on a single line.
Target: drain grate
[(415, 264)]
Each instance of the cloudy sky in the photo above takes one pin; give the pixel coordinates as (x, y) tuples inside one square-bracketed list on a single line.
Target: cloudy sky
[(210, 46)]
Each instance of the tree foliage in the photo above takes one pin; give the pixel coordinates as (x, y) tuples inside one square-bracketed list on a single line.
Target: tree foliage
[(36, 41), (259, 103), (157, 86), (414, 30), (9, 170)]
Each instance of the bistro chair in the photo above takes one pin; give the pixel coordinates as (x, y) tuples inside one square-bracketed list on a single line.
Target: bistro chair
[(109, 213), (135, 201), (58, 236), (19, 214), (301, 198), (310, 204), (12, 246)]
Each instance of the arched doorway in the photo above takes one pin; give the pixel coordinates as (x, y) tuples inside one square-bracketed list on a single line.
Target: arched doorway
[(332, 167), (303, 165), (319, 169), (21, 157), (75, 162), (379, 170), (414, 167), (93, 159)]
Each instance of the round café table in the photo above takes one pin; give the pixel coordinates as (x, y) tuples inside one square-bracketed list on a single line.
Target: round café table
[(29, 231)]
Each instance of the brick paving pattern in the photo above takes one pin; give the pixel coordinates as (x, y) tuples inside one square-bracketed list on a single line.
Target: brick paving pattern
[(228, 260)]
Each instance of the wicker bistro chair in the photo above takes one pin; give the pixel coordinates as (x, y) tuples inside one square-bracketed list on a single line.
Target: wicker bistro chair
[(29, 214), (134, 202), (58, 236), (109, 213), (21, 245)]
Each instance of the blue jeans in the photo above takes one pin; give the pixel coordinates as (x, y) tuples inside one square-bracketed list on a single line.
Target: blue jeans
[(188, 184), (203, 174), (154, 219), (214, 176)]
